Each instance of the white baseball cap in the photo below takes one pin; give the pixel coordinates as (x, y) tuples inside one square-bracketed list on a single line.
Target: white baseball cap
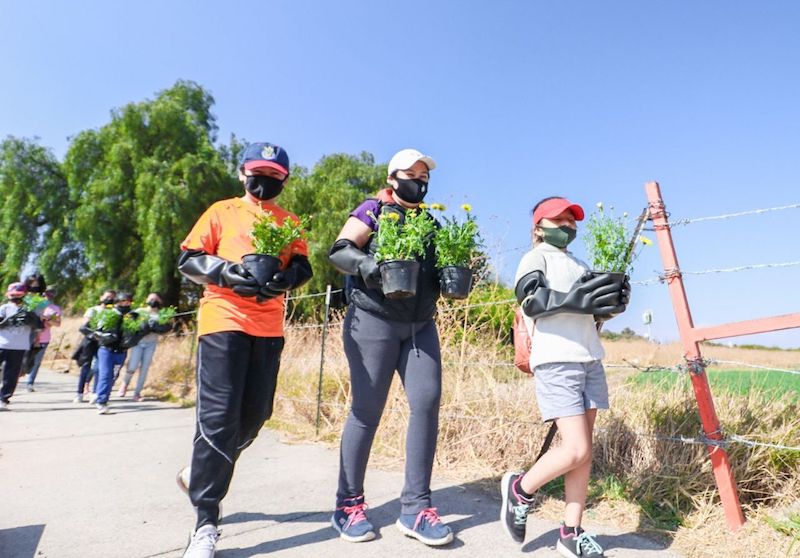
[(405, 159)]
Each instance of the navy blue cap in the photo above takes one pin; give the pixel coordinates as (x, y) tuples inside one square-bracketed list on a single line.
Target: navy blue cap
[(263, 154)]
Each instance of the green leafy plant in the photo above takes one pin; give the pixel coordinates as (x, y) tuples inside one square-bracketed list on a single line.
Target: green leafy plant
[(33, 302), (165, 315), (106, 319), (403, 239), (456, 242), (607, 238), (133, 323), (271, 239)]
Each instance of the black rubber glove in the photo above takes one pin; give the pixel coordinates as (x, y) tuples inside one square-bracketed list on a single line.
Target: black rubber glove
[(296, 274), (26, 318), (32, 320), (206, 269), (624, 298), (105, 338), (155, 327), (591, 294), (349, 259)]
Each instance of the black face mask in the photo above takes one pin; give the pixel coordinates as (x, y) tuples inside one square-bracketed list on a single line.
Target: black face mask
[(411, 190), (123, 309), (264, 187), (154, 304), (107, 301)]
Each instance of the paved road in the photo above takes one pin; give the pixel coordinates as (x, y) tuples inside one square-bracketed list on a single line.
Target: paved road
[(77, 484)]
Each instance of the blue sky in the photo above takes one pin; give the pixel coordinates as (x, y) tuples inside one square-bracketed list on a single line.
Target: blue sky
[(515, 100)]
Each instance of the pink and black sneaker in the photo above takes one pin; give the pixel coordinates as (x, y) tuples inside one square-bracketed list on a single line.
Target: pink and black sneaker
[(577, 543), (425, 526), (351, 521), (514, 508)]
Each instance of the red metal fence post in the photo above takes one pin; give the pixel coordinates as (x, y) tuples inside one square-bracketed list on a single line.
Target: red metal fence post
[(705, 403)]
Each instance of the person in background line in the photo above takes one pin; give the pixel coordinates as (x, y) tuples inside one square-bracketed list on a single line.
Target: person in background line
[(35, 283), (111, 354), (142, 353), (51, 317), (16, 325), (86, 353)]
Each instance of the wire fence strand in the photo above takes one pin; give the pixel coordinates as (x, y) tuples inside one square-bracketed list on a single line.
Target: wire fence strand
[(680, 222)]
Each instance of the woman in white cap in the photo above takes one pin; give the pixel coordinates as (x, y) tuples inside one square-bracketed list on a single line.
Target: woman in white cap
[(383, 336)]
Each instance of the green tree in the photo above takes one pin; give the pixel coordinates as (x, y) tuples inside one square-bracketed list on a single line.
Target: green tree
[(333, 188), (33, 189), (139, 183)]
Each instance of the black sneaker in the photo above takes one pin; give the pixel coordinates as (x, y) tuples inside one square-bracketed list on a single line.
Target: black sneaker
[(577, 544), (515, 508)]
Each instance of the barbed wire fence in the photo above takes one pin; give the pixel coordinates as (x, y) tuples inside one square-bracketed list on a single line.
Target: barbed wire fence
[(678, 368)]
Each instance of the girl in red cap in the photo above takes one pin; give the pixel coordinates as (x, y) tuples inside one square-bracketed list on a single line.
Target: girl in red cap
[(16, 325), (560, 300)]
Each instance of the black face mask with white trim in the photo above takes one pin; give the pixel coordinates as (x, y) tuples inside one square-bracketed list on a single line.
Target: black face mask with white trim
[(411, 190)]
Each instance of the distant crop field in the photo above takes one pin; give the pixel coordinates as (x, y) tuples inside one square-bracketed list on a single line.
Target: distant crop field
[(772, 383)]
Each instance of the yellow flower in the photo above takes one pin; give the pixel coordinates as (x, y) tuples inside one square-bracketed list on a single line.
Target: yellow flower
[(424, 205), (646, 241), (437, 207), (466, 207), (392, 216)]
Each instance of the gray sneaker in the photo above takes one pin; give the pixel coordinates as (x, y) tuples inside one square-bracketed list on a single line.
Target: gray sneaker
[(202, 542)]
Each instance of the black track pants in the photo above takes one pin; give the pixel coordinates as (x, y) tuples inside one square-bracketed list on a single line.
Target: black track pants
[(236, 378), (375, 349), (11, 363)]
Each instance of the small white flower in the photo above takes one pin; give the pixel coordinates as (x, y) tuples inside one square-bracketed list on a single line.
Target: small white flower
[(625, 214), (600, 206)]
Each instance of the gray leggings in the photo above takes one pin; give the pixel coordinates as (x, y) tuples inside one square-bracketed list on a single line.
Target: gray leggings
[(375, 348)]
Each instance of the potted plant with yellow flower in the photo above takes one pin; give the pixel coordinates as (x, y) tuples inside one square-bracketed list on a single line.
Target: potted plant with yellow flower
[(270, 239), (400, 241), (456, 245)]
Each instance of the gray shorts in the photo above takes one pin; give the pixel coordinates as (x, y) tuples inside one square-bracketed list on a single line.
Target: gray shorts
[(567, 389)]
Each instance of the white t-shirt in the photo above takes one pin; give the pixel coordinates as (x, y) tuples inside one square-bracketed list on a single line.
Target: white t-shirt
[(562, 337), (15, 338)]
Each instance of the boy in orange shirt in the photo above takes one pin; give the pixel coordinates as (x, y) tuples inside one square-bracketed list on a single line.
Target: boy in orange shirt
[(240, 328)]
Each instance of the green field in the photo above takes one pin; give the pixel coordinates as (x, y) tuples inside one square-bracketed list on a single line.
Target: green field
[(772, 383)]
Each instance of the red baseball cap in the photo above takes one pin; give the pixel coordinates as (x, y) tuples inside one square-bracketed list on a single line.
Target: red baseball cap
[(16, 290), (554, 208)]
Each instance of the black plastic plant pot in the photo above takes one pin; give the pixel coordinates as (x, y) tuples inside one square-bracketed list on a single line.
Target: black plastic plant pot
[(261, 266), (456, 281), (617, 276), (399, 278)]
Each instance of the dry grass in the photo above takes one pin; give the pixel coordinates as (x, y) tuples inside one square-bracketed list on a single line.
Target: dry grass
[(490, 423), (643, 353)]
